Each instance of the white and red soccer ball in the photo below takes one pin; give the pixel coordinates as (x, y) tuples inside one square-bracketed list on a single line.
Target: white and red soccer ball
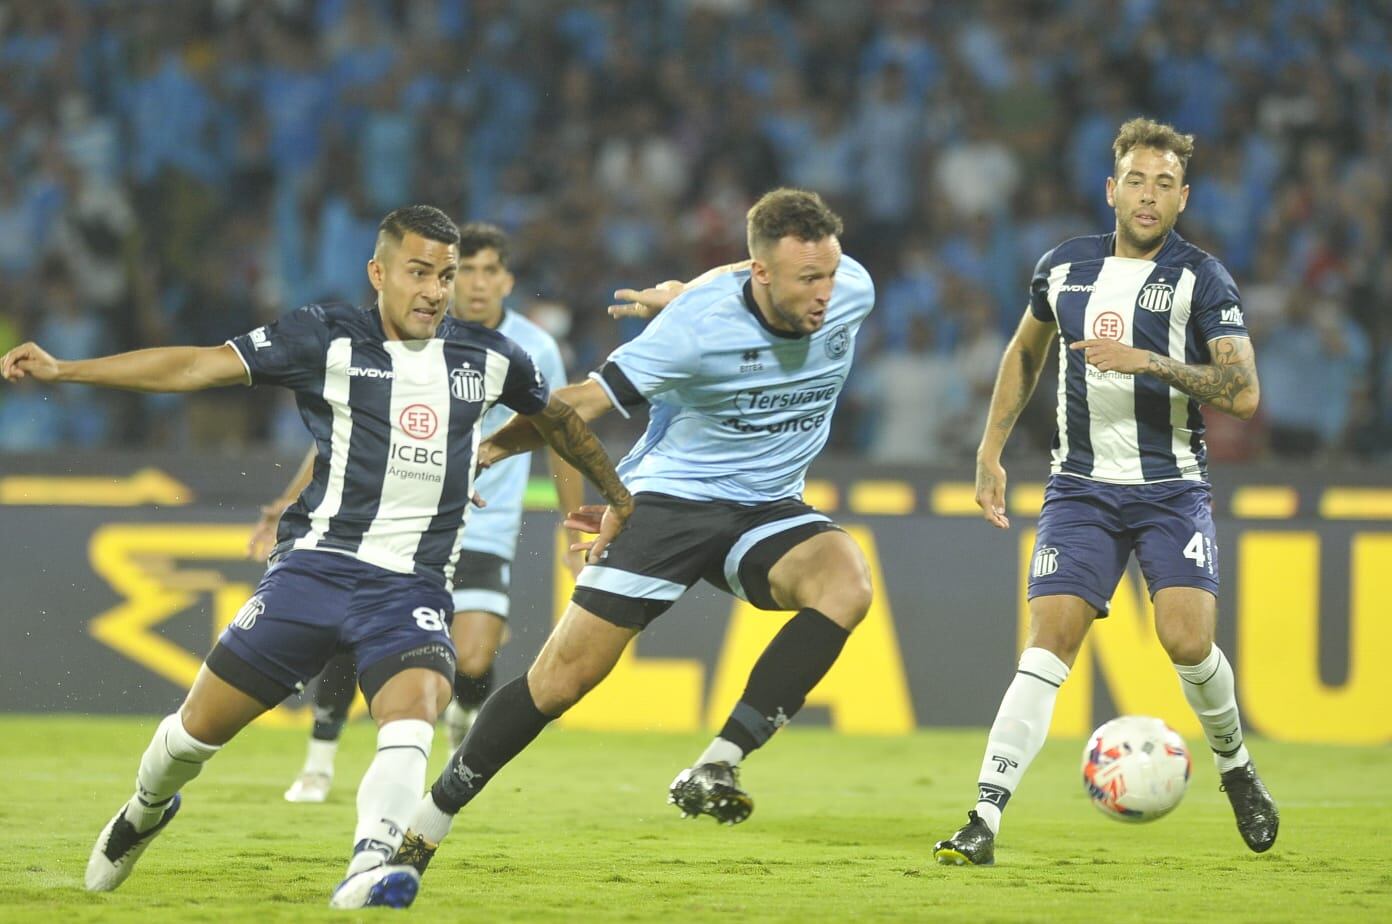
[(1136, 768)]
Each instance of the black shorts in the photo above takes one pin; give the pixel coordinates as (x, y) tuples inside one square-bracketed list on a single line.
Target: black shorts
[(670, 543), (481, 583)]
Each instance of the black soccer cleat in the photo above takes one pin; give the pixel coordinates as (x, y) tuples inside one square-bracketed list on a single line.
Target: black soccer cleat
[(1257, 816), (119, 845), (711, 789), (972, 845), (414, 851)]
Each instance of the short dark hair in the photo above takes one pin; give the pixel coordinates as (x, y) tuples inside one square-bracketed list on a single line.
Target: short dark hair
[(1148, 133), (424, 220), (480, 235), (790, 213)]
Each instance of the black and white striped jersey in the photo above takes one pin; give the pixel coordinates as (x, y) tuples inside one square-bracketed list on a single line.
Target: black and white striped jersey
[(1121, 428), (396, 423)]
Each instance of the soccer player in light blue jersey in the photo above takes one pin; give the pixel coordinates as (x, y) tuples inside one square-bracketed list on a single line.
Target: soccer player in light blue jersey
[(740, 374), (1147, 327), (482, 576)]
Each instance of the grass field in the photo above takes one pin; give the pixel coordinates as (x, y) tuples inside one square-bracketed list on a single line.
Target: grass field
[(577, 829)]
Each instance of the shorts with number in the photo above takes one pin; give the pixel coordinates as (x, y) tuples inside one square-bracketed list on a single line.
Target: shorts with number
[(311, 605), (481, 583), (1088, 530), (670, 543)]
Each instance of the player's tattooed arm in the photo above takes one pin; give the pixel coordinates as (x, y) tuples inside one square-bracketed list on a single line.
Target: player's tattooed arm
[(571, 437), (1228, 383), (1015, 383), (520, 434)]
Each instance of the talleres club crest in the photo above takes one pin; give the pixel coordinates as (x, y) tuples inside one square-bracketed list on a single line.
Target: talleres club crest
[(466, 384)]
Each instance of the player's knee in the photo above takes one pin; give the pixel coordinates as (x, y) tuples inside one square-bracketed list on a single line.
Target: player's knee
[(846, 598), (1184, 647), (554, 690), (475, 662)]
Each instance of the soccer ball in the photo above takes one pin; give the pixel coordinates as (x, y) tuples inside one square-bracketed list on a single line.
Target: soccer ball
[(1136, 768)]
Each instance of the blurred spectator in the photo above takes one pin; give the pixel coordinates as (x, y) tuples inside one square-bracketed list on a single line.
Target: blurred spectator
[(191, 174)]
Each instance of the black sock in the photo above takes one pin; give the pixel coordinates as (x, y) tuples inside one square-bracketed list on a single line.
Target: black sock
[(799, 656), (333, 695), (507, 723), (470, 692)]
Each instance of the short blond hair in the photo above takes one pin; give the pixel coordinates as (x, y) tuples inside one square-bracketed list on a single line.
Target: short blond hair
[(1148, 133), (790, 213)]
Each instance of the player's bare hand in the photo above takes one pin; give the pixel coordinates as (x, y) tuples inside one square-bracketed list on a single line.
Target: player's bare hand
[(263, 534), (28, 359), (644, 303), (990, 492), (478, 501), (607, 522), (586, 520), (1112, 356)]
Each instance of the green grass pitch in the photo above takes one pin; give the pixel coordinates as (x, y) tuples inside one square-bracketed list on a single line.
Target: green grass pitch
[(577, 829)]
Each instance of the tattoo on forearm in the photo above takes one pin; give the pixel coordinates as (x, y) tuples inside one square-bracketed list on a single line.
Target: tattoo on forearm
[(574, 442), (1013, 405), (1221, 383)]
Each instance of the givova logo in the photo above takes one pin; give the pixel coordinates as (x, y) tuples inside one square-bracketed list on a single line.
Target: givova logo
[(1045, 561), (246, 616)]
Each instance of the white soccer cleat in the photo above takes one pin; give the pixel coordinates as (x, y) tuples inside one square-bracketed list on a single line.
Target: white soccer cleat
[(458, 721), (118, 847), (309, 787), (386, 886)]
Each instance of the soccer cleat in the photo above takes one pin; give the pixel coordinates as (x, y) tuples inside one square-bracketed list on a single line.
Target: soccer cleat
[(385, 886), (711, 789), (309, 787), (118, 847), (415, 851), (458, 721), (972, 845), (1257, 817)]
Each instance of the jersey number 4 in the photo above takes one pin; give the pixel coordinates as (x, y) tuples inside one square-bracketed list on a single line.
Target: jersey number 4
[(1200, 551)]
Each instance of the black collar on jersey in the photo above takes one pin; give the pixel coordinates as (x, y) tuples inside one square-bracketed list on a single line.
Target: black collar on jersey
[(753, 307), (1172, 238)]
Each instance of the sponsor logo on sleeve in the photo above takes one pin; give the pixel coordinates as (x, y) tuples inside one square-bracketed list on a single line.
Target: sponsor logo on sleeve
[(260, 339), (1232, 316)]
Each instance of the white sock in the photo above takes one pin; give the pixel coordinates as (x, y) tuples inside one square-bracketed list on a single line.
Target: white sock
[(430, 822), (320, 758), (1021, 725), (173, 758), (721, 751), (389, 791), (1208, 686)]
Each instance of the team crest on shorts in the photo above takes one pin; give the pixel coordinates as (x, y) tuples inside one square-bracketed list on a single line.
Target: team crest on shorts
[(838, 342), (246, 616)]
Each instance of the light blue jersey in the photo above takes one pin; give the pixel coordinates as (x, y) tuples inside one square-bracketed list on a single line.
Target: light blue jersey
[(493, 529), (738, 410)]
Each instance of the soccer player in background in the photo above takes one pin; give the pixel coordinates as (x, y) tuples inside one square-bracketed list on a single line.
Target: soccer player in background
[(483, 573), (1148, 328), (740, 374), (394, 395)]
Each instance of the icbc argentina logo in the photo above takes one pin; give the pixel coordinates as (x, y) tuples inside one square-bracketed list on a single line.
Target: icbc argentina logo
[(419, 421), (1108, 326)]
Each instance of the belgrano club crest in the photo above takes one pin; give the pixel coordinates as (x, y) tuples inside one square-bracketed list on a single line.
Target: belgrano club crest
[(1156, 298), (466, 384)]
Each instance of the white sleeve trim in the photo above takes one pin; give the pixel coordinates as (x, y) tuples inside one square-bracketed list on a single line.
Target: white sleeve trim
[(623, 411), (236, 350)]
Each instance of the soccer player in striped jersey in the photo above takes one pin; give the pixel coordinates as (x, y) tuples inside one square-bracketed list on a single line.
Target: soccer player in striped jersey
[(484, 570), (394, 395), (1148, 327), (740, 374)]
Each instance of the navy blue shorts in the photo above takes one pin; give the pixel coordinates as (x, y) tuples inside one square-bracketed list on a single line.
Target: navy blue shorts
[(311, 605), (1088, 530)]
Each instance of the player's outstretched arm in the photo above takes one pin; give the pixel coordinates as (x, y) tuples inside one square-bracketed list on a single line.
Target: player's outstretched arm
[(263, 534), (646, 303), (519, 435), (162, 369), (1228, 383), (1015, 382), (571, 438)]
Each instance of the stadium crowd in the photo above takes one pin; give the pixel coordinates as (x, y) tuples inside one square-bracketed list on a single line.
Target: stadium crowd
[(184, 178)]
